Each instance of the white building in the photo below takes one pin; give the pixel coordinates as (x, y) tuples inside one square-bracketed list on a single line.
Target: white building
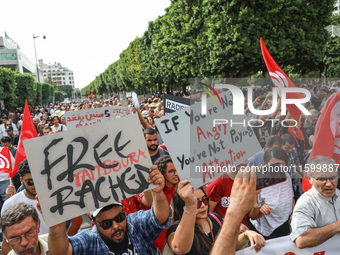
[(11, 57), (56, 73)]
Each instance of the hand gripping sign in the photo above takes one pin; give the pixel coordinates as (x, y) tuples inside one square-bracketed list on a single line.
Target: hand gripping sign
[(86, 168)]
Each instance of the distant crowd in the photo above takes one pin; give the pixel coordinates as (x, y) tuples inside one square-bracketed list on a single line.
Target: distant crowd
[(226, 215)]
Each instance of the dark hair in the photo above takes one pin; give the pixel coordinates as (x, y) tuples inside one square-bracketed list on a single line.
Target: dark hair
[(271, 140), (149, 131), (161, 163), (287, 138), (24, 168), (201, 241), (5, 139), (17, 212), (152, 119), (48, 127), (275, 152)]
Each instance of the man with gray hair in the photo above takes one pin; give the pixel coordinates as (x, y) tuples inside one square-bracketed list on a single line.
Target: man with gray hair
[(316, 216), (20, 227)]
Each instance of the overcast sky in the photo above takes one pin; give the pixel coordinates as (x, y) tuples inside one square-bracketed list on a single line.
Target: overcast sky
[(84, 35)]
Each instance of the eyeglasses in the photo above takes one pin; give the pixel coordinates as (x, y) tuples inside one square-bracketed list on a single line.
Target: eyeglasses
[(171, 171), (29, 182), (205, 200), (323, 180), (106, 224), (30, 234)]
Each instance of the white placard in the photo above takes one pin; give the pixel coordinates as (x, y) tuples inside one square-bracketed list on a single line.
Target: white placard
[(82, 169), (285, 246), (202, 152), (83, 118)]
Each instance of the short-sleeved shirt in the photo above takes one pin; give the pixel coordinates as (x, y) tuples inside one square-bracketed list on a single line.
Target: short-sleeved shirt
[(215, 229), (313, 210), (280, 198), (219, 190), (159, 153), (142, 229)]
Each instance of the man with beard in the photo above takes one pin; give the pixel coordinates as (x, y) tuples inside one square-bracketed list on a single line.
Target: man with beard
[(151, 140), (27, 195), (20, 226), (114, 232)]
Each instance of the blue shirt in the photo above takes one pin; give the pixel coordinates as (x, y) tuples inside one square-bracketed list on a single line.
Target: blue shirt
[(257, 159), (142, 228)]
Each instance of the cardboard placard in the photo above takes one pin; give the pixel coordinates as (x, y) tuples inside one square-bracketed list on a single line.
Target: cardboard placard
[(83, 118), (202, 152), (83, 169)]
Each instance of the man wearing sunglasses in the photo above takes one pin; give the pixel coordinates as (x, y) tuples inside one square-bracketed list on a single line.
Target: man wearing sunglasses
[(114, 232), (20, 226), (316, 216)]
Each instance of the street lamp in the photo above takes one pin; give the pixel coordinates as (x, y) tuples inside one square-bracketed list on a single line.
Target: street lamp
[(36, 61)]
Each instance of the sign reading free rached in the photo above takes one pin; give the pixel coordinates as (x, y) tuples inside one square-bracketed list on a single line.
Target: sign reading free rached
[(83, 169), (201, 151)]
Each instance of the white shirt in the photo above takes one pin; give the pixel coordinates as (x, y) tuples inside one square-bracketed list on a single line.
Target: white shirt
[(313, 210), (21, 197), (54, 129), (280, 198)]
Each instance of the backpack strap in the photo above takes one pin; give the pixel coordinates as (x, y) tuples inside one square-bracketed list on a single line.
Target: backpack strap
[(216, 218)]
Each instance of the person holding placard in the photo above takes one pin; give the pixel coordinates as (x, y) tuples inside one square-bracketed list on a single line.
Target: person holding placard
[(114, 232), (195, 230)]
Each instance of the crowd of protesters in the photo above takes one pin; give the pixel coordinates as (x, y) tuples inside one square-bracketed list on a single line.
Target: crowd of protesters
[(175, 218)]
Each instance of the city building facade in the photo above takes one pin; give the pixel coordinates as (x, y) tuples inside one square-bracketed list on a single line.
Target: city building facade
[(11, 57), (57, 74)]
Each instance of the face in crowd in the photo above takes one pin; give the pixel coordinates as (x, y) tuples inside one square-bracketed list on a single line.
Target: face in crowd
[(151, 142), (23, 236), (112, 225)]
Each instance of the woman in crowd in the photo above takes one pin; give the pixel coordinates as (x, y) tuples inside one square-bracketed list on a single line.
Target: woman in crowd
[(194, 230), (167, 168), (274, 205)]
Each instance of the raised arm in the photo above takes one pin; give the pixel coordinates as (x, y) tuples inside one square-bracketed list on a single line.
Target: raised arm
[(242, 198), (161, 206), (58, 243), (143, 121), (182, 239)]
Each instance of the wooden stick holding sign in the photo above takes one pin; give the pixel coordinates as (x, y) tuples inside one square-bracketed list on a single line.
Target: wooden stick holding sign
[(87, 168)]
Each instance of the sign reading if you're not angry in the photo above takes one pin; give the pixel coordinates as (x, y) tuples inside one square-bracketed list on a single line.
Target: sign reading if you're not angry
[(86, 168), (201, 150)]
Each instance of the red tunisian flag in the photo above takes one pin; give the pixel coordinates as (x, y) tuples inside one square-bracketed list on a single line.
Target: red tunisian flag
[(280, 79), (327, 134), (5, 160), (28, 131), (91, 95)]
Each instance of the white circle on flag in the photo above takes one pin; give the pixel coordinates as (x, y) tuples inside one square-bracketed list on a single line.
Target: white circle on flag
[(3, 162)]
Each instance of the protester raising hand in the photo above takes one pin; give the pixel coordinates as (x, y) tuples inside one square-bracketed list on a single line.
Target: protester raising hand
[(186, 192)]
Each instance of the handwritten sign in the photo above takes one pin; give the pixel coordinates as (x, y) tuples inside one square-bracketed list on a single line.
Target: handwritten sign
[(201, 151), (285, 246), (83, 118), (87, 168)]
